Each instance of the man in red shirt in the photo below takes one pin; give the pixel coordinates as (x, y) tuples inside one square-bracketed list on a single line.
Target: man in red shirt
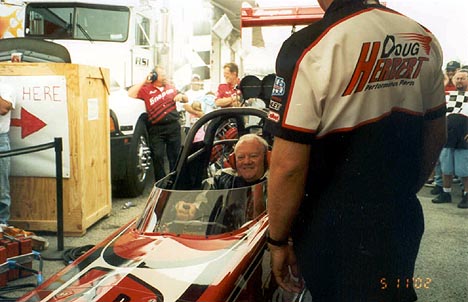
[(228, 94), (163, 119)]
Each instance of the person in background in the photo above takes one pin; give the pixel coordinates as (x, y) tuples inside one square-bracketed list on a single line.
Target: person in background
[(194, 117), (450, 69), (228, 94), (197, 108), (208, 102), (350, 152), (435, 179), (7, 103), (195, 93), (164, 128), (454, 156)]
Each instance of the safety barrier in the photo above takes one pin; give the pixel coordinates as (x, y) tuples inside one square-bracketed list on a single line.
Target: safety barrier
[(57, 145), (16, 254)]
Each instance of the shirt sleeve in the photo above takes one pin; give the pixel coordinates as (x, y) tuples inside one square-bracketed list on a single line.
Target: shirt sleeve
[(435, 99), (294, 113)]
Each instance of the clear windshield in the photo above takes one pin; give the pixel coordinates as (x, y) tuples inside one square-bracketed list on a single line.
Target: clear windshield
[(202, 212), (65, 21)]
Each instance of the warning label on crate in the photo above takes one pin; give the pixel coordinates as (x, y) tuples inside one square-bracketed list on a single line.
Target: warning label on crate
[(40, 116)]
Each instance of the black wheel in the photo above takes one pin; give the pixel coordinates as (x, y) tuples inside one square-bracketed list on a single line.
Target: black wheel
[(138, 163)]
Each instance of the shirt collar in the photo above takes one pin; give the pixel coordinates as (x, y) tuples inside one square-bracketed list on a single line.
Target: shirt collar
[(339, 4)]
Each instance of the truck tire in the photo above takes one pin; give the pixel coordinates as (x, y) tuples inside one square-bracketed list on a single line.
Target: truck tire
[(137, 165)]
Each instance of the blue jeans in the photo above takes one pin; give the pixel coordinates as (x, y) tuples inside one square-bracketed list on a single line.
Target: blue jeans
[(454, 162), (438, 175), (5, 199)]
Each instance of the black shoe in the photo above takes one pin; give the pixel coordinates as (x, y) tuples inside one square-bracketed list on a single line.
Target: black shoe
[(436, 190), (463, 203), (443, 197)]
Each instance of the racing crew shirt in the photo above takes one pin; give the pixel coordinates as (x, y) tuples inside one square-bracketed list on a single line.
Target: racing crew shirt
[(357, 86), (226, 90), (159, 103)]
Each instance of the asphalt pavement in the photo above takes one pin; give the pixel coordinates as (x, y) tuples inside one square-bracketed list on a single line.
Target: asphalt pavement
[(441, 270)]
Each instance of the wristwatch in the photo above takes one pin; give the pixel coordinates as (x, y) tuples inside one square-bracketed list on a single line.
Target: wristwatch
[(276, 242)]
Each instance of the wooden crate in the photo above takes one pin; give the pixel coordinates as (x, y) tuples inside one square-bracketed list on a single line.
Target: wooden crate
[(87, 193)]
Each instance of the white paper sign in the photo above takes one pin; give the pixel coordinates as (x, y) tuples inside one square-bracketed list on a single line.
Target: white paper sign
[(93, 109), (40, 115)]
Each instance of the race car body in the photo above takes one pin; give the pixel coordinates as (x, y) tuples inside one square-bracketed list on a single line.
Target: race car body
[(192, 242), (165, 259)]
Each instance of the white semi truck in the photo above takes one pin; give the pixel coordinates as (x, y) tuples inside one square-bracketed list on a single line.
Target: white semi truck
[(127, 38)]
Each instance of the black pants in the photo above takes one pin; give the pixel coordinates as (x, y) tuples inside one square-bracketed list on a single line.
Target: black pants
[(164, 140), (367, 255)]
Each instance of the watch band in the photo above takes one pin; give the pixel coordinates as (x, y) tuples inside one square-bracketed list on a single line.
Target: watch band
[(276, 242)]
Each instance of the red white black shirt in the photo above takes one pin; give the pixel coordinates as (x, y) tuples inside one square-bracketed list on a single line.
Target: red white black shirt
[(160, 104), (226, 90)]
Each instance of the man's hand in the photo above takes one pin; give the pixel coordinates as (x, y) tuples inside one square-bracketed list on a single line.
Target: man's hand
[(181, 98), (284, 268), (446, 79)]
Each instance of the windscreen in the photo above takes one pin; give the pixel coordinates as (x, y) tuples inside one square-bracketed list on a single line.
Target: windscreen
[(202, 212), (70, 21)]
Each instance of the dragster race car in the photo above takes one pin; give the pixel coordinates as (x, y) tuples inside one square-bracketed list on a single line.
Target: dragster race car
[(216, 254)]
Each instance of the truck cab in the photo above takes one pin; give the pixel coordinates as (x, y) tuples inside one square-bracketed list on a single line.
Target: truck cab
[(120, 36)]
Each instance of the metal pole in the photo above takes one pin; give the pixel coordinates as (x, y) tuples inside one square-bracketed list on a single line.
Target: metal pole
[(59, 190)]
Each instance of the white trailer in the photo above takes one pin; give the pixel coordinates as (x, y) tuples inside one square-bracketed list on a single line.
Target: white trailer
[(123, 37)]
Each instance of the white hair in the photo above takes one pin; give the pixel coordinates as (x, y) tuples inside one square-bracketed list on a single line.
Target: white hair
[(251, 137)]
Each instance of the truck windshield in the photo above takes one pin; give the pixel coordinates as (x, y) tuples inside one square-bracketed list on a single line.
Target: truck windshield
[(78, 22)]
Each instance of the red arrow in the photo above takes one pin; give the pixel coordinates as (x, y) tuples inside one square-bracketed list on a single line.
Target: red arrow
[(29, 123)]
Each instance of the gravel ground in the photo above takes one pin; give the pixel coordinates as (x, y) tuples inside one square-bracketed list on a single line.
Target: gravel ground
[(441, 270), (443, 257)]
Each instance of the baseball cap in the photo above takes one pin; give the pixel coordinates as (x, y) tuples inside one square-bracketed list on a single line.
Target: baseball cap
[(452, 65)]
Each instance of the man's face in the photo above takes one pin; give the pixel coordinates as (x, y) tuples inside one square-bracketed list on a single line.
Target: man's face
[(450, 73), (230, 77), (185, 210), (196, 84), (250, 160), (460, 79)]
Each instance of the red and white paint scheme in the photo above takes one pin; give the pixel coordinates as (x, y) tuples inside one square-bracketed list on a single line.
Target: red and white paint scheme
[(191, 243)]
